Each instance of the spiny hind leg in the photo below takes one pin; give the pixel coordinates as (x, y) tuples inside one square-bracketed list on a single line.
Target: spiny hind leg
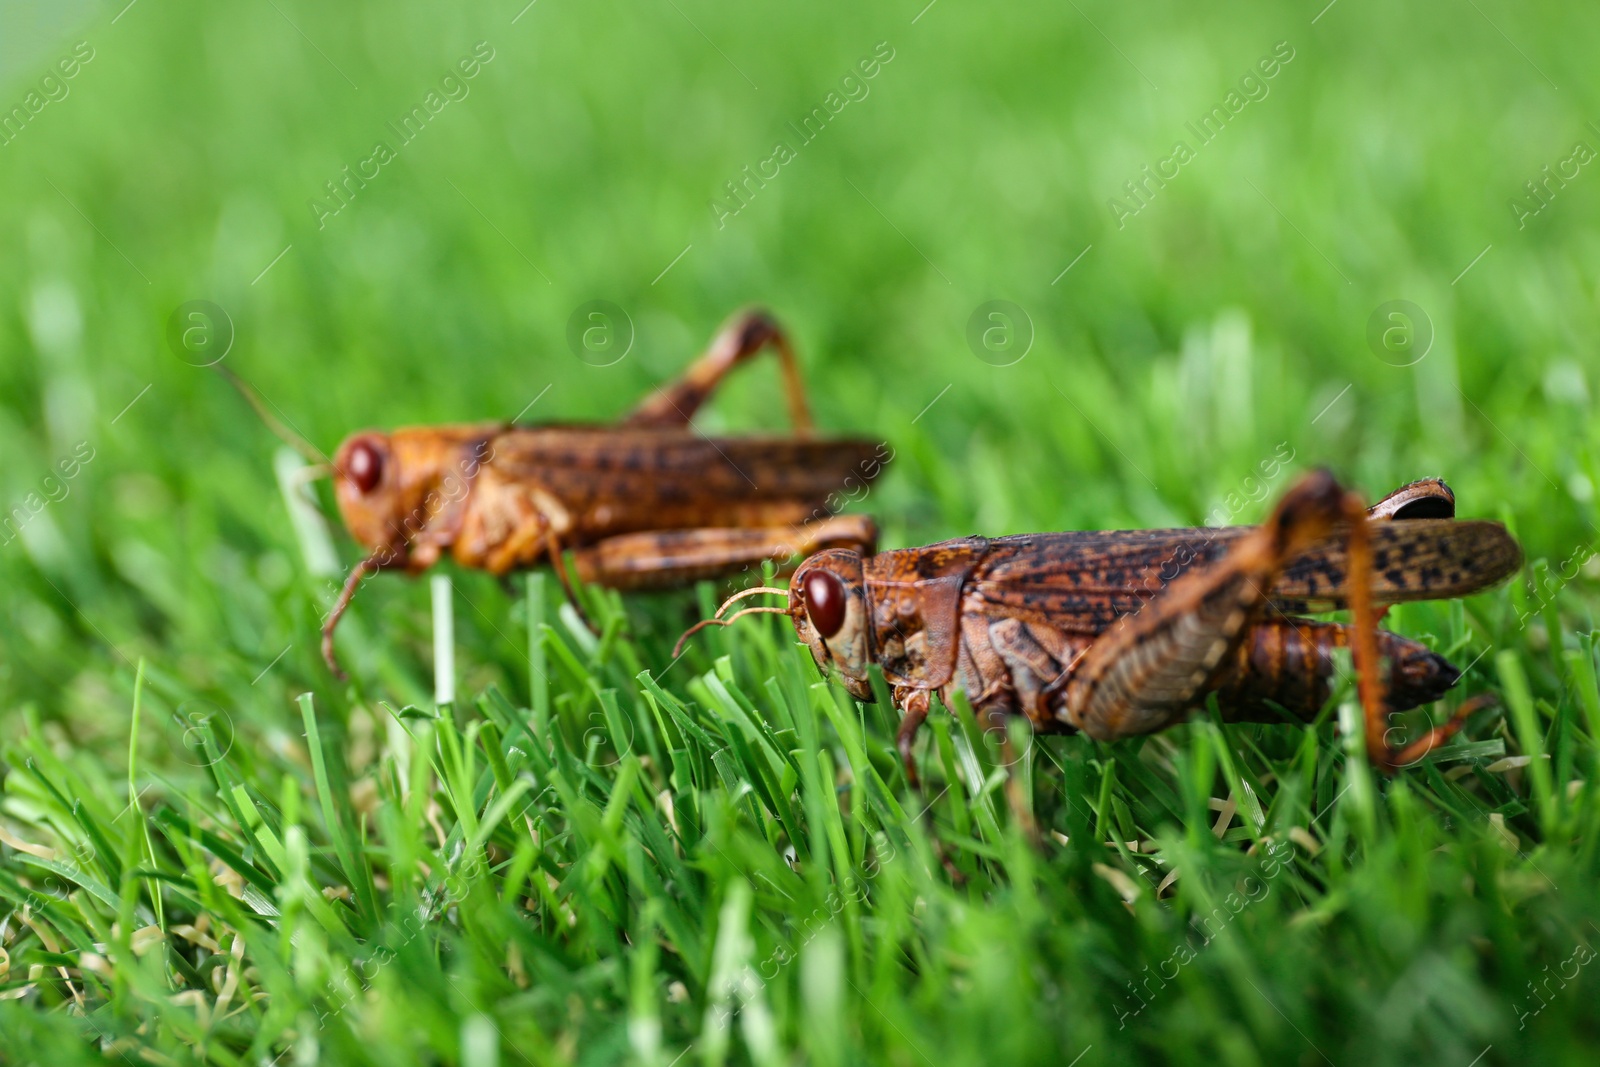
[(665, 558), (1153, 666), (1426, 498), (747, 333), (1407, 754)]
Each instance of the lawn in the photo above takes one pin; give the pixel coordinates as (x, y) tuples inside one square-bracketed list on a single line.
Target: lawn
[(1233, 243)]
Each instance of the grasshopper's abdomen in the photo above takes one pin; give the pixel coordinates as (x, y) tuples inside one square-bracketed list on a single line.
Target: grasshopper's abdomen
[(1289, 663), (1008, 665)]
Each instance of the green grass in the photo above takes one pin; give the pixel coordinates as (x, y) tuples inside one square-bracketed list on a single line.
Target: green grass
[(214, 853)]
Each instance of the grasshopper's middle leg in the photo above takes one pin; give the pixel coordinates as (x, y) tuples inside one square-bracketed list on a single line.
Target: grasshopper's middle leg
[(745, 334), (663, 558)]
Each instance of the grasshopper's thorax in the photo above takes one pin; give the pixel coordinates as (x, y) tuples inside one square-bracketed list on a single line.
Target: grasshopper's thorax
[(827, 601), (403, 494)]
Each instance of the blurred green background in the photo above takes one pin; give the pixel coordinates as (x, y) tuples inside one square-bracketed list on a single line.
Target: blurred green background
[(1155, 360)]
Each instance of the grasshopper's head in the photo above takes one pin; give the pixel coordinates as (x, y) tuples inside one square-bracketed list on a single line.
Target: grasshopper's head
[(828, 603), (401, 489)]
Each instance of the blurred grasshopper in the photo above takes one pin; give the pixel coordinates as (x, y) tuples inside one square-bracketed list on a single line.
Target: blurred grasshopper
[(1124, 633), (646, 503)]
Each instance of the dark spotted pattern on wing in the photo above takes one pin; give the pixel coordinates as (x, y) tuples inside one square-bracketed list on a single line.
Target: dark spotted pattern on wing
[(615, 481), (1081, 583), (1413, 559)]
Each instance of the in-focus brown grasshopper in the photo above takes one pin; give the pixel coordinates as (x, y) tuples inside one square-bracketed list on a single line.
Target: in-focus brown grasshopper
[(1126, 632), (646, 503)]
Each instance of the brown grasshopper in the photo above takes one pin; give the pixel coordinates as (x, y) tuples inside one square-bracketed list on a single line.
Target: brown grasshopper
[(1124, 633), (646, 503)]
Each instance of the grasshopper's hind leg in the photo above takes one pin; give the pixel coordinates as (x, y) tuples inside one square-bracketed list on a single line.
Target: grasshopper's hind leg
[(744, 335), (1152, 667), (664, 558), (1426, 498)]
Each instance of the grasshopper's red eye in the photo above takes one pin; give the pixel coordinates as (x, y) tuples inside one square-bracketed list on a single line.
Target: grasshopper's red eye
[(365, 466), (824, 594)]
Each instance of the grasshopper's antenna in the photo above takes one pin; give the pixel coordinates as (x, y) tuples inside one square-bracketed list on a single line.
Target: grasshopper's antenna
[(752, 591), (677, 649), (288, 436), (718, 620)]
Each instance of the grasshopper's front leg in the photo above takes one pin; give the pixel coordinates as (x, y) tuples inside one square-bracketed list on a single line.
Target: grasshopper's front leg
[(745, 334), (916, 704), (422, 556), (1154, 666), (664, 558)]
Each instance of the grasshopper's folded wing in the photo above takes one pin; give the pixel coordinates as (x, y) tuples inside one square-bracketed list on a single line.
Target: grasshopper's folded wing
[(1418, 559), (654, 467), (1081, 583)]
